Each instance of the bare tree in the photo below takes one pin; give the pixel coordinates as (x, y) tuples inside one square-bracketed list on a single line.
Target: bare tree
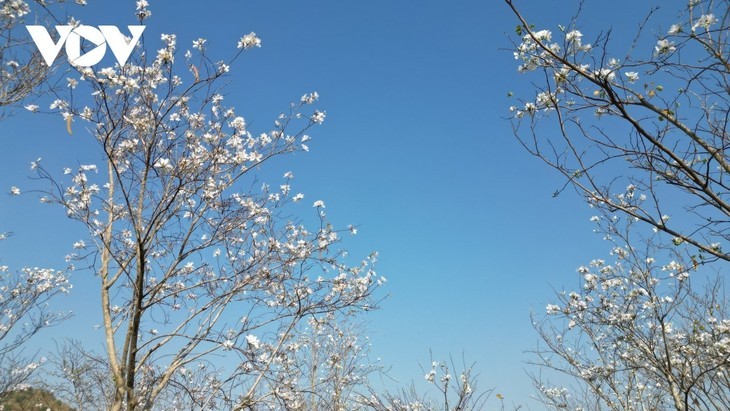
[(654, 117), (78, 377), (205, 277)]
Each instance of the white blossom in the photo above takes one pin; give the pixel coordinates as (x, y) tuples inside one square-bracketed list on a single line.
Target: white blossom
[(248, 41), (664, 46)]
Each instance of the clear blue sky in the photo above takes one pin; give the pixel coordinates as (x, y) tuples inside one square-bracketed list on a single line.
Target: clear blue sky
[(416, 150)]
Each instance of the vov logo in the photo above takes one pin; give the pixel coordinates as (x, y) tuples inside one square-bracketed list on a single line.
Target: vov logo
[(71, 36)]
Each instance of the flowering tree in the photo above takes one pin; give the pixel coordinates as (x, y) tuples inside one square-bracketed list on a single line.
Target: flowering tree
[(24, 311), (637, 334), (331, 367), (206, 282), (642, 137), (22, 69), (24, 294), (654, 117), (452, 393)]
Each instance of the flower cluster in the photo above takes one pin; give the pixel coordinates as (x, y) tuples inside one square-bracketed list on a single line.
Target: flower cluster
[(13, 9), (143, 11), (248, 41)]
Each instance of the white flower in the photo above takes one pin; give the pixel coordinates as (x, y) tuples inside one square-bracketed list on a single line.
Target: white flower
[(310, 98), (164, 56), (318, 203), (605, 73), (632, 76), (58, 104), (163, 164), (560, 77), (664, 46), (318, 117), (142, 11), (32, 107), (543, 35), (14, 9), (573, 36), (675, 29), (546, 100), (199, 43), (15, 191), (672, 266), (227, 345), (253, 341), (248, 41), (430, 376), (552, 309), (705, 21)]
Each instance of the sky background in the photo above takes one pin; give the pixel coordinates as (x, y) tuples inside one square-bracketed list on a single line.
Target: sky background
[(417, 150)]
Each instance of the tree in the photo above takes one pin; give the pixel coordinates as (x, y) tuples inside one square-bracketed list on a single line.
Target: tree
[(643, 330), (451, 393), (333, 364), (79, 377), (22, 68), (24, 294), (24, 311), (206, 280), (654, 118), (642, 137)]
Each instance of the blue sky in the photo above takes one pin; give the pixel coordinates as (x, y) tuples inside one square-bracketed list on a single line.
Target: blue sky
[(416, 150)]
